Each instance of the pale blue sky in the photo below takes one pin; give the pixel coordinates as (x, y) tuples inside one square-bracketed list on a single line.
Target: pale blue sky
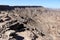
[(45, 3)]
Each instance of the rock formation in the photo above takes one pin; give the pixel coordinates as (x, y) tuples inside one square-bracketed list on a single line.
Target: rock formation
[(29, 23)]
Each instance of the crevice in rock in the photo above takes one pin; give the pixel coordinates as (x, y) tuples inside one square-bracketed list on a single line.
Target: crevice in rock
[(25, 22), (1, 21), (42, 34), (22, 17)]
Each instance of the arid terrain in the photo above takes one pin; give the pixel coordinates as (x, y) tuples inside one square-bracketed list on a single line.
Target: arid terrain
[(29, 23)]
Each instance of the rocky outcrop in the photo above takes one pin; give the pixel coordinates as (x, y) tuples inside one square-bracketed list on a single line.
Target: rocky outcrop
[(29, 23)]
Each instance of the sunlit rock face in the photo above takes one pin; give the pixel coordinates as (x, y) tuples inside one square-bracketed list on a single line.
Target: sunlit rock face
[(29, 23)]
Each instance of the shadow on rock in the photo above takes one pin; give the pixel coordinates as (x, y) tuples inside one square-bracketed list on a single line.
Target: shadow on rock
[(18, 27), (16, 37)]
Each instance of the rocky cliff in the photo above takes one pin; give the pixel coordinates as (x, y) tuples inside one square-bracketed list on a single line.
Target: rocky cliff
[(29, 23)]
